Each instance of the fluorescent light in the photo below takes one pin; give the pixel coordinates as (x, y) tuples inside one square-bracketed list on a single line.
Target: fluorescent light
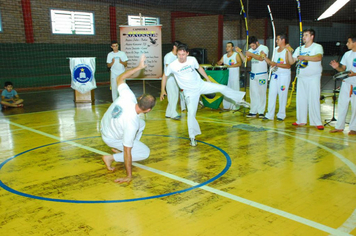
[(337, 5)]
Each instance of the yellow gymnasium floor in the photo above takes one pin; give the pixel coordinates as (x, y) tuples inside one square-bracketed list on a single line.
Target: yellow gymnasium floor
[(245, 177)]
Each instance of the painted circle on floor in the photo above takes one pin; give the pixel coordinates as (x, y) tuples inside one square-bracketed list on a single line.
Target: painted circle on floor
[(226, 168)]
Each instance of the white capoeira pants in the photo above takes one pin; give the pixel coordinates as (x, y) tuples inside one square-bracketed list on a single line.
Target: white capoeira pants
[(139, 150), (113, 85), (347, 94), (233, 83), (192, 99), (278, 85), (172, 96), (182, 101), (258, 91), (308, 98)]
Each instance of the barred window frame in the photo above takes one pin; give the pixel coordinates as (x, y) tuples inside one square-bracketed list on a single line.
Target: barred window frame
[(135, 20), (68, 22)]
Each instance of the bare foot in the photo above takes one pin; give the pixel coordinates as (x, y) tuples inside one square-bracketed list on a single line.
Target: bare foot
[(115, 150), (108, 160), (336, 130), (123, 180), (352, 132), (19, 105)]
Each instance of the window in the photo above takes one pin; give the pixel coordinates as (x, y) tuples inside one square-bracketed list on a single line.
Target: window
[(146, 20), (72, 22)]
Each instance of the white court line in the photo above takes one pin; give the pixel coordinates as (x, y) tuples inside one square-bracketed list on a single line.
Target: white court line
[(350, 224), (226, 122), (263, 207)]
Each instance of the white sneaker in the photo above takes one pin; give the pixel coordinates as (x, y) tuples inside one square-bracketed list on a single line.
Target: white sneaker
[(193, 142), (243, 103)]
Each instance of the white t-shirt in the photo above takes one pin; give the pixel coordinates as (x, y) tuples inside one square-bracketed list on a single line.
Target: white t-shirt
[(121, 120), (168, 58), (280, 58), (256, 65), (310, 68), (186, 75), (117, 68), (349, 60)]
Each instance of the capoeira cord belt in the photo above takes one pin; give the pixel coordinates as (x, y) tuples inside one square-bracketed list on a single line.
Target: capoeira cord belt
[(252, 75)]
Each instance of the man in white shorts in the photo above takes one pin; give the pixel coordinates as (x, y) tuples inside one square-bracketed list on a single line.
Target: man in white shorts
[(121, 127), (233, 62), (348, 88), (279, 81), (308, 83), (116, 61), (171, 86), (258, 77), (188, 79)]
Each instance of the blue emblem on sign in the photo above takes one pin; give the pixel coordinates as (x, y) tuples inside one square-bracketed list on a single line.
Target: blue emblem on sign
[(82, 73)]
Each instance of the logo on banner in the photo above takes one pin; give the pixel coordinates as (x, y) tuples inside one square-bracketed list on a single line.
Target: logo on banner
[(354, 90), (354, 62), (283, 87), (82, 73)]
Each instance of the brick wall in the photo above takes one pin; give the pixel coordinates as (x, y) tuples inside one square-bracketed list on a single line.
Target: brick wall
[(236, 29), (199, 32), (12, 22), (13, 26)]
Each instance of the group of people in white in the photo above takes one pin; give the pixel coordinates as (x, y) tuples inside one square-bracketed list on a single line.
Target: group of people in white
[(122, 128)]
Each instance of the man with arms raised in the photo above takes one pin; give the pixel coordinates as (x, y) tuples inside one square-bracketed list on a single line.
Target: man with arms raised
[(121, 127)]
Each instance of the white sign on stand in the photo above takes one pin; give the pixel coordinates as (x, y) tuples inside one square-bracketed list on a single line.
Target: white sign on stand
[(138, 40)]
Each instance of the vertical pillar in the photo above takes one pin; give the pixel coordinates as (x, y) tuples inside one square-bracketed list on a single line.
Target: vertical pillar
[(113, 32), (173, 30), (220, 35), (27, 20)]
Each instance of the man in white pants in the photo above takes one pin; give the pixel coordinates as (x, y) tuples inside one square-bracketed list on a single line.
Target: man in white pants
[(348, 88), (171, 86), (116, 61), (233, 62), (121, 127), (188, 79), (258, 77), (279, 81), (308, 83)]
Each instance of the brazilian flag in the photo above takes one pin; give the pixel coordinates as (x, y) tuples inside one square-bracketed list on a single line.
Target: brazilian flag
[(216, 76)]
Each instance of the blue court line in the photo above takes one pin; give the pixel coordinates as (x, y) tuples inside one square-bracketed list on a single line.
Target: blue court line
[(7, 188)]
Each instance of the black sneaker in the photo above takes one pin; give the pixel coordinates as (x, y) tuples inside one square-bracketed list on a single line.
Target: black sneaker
[(261, 116), (280, 119), (250, 115)]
